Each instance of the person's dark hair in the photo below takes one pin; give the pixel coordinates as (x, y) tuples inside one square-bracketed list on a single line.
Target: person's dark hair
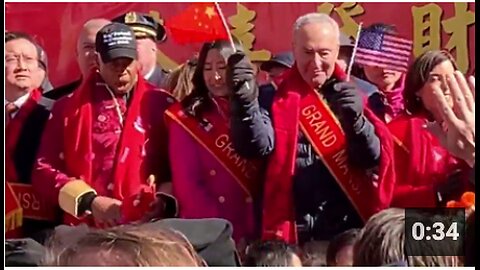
[(314, 253), (12, 35), (383, 27), (198, 101), (273, 253), (418, 75), (347, 238)]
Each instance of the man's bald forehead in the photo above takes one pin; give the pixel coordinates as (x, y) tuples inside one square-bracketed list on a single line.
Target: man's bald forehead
[(94, 25), (89, 31)]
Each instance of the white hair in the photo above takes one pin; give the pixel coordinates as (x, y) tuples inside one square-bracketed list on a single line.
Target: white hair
[(314, 17)]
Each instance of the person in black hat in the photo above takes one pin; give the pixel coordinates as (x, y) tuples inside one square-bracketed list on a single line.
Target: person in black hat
[(278, 65), (275, 67), (148, 33), (115, 159)]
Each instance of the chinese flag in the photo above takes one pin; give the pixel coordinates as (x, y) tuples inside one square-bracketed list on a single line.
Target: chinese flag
[(200, 22)]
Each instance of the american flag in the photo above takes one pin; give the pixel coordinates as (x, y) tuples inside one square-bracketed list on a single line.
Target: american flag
[(385, 50)]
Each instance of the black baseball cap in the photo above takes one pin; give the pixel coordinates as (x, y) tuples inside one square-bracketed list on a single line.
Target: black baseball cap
[(116, 40), (284, 59)]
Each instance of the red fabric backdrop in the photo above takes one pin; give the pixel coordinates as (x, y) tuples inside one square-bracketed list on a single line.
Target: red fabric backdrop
[(56, 26)]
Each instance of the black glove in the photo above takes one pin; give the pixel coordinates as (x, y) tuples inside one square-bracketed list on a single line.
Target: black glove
[(241, 77), (450, 189), (347, 103)]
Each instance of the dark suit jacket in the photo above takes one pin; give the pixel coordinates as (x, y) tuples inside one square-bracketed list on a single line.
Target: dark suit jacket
[(24, 157), (63, 90), (158, 77)]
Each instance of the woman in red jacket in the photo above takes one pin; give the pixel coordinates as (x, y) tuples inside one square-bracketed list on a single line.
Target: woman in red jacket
[(427, 175)]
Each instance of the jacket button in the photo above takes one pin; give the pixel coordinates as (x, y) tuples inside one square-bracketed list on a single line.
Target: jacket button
[(248, 200), (61, 156), (110, 186), (102, 118), (221, 199), (213, 172)]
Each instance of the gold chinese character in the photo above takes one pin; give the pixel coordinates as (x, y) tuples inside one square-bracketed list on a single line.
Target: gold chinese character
[(346, 12), (241, 22), (457, 28), (426, 19)]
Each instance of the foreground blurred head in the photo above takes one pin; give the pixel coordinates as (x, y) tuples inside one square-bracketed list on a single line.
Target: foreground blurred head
[(125, 246)]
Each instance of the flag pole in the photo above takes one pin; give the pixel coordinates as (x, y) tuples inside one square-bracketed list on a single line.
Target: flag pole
[(354, 52), (217, 6), (224, 22)]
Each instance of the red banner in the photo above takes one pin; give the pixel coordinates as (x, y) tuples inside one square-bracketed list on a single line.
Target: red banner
[(264, 28)]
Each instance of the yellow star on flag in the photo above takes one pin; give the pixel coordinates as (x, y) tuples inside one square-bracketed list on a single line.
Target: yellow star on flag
[(210, 11)]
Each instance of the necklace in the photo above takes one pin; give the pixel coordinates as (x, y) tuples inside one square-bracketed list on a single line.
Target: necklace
[(117, 105)]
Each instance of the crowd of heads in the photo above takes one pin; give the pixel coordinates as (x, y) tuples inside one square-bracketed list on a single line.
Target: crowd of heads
[(381, 242)]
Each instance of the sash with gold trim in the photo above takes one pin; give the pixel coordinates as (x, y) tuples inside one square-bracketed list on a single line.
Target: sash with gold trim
[(33, 207), (13, 210), (216, 139), (324, 132)]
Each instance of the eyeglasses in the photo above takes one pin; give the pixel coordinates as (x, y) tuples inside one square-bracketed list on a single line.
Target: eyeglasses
[(15, 59)]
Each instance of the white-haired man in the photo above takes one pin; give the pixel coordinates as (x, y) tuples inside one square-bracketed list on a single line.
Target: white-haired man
[(329, 158)]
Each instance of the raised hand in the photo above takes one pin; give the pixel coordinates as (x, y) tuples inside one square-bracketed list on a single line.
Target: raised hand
[(459, 135)]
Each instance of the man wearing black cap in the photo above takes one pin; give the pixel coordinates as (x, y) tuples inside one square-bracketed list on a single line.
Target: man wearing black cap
[(276, 66), (107, 141), (148, 33)]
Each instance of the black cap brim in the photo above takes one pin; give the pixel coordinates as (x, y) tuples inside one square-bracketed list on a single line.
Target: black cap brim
[(267, 66), (119, 53), (161, 34)]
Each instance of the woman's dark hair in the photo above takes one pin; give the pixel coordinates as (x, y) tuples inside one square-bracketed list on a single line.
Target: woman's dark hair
[(418, 75), (198, 102)]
